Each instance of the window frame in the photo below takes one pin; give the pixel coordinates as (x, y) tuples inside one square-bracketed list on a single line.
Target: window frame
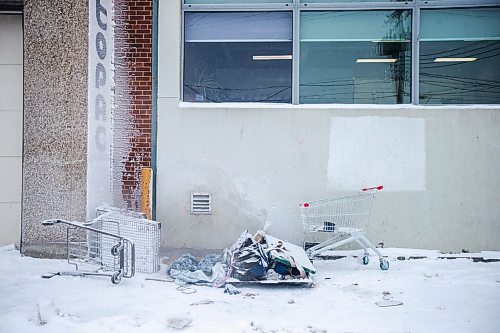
[(297, 7)]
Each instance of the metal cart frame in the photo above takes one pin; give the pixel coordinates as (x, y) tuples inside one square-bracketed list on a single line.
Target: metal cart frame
[(109, 254), (341, 220)]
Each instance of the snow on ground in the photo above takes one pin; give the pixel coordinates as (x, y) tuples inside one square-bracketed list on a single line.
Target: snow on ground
[(438, 296)]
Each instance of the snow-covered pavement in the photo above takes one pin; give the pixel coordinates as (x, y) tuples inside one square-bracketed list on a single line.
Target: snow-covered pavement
[(438, 296)]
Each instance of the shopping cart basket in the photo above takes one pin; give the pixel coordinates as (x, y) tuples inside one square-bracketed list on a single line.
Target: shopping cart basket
[(146, 235), (330, 223), (96, 252)]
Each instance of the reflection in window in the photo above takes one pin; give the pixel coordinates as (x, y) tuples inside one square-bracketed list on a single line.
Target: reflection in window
[(367, 62), (460, 56), (238, 57)]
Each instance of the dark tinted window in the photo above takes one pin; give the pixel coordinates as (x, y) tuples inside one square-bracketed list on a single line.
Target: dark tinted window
[(460, 56), (238, 57), (359, 57)]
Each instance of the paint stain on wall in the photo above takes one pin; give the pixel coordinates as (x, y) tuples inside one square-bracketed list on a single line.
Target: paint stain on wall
[(368, 151)]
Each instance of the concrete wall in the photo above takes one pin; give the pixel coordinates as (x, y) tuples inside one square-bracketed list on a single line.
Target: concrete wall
[(11, 127), (55, 119), (439, 165)]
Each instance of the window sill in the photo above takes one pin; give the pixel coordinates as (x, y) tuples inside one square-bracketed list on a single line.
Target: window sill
[(189, 105)]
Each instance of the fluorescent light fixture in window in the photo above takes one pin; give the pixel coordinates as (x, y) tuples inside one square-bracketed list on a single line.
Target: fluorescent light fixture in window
[(390, 41), (377, 60), (455, 59), (273, 57)]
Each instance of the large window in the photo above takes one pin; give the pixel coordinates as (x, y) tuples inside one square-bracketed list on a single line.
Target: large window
[(460, 56), (238, 57), (428, 52), (366, 62)]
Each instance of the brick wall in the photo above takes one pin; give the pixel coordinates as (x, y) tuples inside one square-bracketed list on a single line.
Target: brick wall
[(133, 94)]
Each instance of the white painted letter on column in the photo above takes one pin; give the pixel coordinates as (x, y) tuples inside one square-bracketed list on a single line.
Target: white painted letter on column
[(100, 102)]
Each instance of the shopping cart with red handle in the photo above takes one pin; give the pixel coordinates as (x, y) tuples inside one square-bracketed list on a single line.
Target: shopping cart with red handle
[(333, 222)]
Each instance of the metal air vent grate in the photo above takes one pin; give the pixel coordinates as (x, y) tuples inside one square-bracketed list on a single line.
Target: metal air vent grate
[(201, 203)]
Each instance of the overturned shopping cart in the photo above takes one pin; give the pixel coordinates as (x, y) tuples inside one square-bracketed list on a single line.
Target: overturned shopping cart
[(117, 243), (333, 222), (96, 252)]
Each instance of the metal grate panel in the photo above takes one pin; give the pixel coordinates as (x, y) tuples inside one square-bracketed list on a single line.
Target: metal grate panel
[(146, 235)]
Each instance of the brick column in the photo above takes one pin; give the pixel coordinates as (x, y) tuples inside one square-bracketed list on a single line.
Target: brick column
[(133, 97)]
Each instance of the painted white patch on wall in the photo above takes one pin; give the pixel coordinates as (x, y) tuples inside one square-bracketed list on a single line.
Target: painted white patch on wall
[(100, 105), (369, 151)]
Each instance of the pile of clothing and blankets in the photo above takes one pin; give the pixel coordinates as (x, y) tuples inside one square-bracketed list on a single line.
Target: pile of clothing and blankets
[(251, 259)]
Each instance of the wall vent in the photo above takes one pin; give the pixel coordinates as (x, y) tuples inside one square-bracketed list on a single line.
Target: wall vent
[(201, 203)]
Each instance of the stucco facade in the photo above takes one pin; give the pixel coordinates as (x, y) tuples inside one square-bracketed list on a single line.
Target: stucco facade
[(55, 120)]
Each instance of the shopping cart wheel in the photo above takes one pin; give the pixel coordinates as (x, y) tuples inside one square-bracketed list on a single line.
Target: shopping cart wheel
[(384, 265), (115, 250), (116, 278), (366, 259)]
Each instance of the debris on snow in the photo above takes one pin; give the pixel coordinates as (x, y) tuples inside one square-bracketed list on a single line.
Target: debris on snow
[(45, 310), (259, 328), (157, 279), (37, 316), (250, 259), (257, 258), (186, 289), (231, 290), (388, 300), (179, 322), (316, 330), (431, 275), (250, 295), (187, 269), (206, 302)]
